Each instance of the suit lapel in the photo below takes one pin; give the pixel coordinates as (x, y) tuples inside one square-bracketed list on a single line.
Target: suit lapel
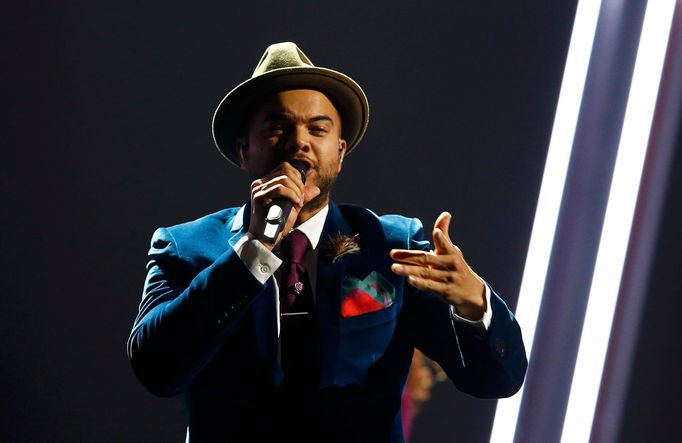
[(327, 290), (240, 219)]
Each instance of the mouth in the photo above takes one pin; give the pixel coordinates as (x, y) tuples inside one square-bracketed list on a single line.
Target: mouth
[(308, 164)]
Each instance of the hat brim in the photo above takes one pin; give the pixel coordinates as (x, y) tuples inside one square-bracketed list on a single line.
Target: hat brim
[(230, 117)]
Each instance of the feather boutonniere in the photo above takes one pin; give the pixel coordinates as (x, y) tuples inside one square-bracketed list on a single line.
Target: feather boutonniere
[(339, 245)]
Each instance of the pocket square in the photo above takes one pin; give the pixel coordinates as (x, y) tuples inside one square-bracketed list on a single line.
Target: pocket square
[(373, 293)]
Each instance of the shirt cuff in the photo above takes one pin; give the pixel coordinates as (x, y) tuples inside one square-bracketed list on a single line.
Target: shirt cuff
[(482, 324), (260, 260)]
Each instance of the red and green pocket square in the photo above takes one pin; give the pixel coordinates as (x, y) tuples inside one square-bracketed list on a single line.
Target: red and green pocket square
[(373, 293)]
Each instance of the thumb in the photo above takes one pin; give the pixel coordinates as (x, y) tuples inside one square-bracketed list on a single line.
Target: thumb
[(443, 222), (310, 192), (442, 240)]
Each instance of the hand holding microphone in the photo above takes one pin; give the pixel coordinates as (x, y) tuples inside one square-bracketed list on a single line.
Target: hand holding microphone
[(279, 210), (277, 199)]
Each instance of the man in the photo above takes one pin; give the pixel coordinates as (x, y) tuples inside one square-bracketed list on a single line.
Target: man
[(308, 333)]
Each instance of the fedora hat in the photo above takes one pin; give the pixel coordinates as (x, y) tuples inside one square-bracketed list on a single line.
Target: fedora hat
[(283, 67)]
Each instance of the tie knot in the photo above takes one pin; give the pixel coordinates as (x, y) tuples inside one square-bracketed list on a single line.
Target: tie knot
[(294, 247)]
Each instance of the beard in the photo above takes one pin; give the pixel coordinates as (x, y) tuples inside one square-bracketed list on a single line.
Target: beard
[(325, 182)]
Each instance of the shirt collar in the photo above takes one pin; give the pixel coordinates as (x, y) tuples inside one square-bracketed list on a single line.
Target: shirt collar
[(312, 228)]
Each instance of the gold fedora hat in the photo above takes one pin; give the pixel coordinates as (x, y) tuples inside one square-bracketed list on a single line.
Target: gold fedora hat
[(284, 66)]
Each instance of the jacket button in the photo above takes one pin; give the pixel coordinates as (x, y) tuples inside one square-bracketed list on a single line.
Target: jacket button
[(500, 347)]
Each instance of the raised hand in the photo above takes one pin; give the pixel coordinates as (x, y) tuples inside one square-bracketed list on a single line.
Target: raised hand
[(444, 272)]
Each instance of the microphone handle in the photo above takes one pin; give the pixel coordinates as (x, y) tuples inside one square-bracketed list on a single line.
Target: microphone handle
[(278, 211)]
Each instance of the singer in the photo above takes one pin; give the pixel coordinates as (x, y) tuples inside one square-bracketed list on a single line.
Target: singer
[(295, 319)]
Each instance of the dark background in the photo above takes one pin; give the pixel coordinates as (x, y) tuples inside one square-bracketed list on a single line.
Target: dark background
[(106, 135)]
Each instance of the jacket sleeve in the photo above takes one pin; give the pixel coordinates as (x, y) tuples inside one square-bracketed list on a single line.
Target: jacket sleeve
[(485, 363), (183, 320)]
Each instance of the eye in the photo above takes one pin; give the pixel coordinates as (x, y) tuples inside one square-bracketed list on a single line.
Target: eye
[(318, 130), (275, 129)]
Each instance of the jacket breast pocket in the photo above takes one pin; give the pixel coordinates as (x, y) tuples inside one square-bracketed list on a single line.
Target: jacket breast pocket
[(363, 339)]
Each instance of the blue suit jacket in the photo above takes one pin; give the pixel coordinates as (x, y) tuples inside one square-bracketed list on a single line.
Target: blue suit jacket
[(207, 328)]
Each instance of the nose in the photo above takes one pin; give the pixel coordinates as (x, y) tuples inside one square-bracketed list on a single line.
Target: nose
[(298, 140)]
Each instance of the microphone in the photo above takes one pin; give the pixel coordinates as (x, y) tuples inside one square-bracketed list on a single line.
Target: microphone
[(279, 210)]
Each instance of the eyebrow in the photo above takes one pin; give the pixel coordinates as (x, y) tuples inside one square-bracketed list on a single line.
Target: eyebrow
[(318, 118), (276, 116)]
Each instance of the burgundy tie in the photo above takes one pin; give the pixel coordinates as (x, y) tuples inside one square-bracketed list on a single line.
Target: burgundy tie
[(295, 296), (298, 342)]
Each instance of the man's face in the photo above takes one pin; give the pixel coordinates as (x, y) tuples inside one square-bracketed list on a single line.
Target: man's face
[(299, 124)]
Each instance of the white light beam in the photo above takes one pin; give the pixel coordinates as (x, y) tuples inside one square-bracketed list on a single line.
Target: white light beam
[(549, 200), (618, 221)]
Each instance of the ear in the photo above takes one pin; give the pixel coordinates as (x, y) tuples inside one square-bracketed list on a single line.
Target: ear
[(342, 152), (241, 146)]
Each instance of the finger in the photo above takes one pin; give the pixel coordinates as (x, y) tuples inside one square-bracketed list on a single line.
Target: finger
[(423, 258), (442, 243), (310, 192), (255, 184), (290, 181), (428, 285), (266, 195), (423, 272), (293, 173), (284, 169), (443, 224), (285, 181)]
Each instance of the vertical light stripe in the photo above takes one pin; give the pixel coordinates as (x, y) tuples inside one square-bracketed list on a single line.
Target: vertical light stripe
[(549, 200), (618, 221)]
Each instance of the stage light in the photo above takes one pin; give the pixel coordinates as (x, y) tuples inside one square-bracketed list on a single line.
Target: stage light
[(618, 221), (549, 200)]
